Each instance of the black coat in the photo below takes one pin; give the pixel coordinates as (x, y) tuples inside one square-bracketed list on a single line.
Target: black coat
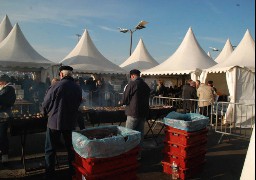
[(7, 97), (61, 104), (136, 98)]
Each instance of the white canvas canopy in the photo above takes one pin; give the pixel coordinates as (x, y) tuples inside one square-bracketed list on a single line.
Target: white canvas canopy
[(226, 51), (16, 54), (5, 28), (239, 72), (85, 58), (140, 59), (189, 58)]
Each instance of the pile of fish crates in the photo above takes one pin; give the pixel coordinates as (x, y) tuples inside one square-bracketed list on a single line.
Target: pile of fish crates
[(184, 147), (101, 164)]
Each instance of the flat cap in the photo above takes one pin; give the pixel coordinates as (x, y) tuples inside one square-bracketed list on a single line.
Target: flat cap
[(135, 71), (69, 68), (5, 78)]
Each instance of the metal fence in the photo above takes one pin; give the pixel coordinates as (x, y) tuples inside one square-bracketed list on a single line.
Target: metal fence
[(226, 118)]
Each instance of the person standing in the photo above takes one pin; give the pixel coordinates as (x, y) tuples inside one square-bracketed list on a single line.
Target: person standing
[(136, 101), (188, 92), (61, 104), (7, 100), (205, 97)]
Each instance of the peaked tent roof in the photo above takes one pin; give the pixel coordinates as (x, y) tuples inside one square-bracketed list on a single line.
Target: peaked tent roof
[(242, 56), (140, 59), (226, 51), (85, 58), (5, 28), (16, 52), (189, 57)]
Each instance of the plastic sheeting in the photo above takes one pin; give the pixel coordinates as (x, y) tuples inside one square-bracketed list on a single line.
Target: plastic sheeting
[(104, 141), (188, 122)]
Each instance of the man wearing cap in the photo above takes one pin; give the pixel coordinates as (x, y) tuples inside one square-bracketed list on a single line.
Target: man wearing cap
[(136, 99), (61, 105), (7, 99)]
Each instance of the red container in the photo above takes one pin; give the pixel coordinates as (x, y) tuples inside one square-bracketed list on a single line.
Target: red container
[(183, 173), (185, 162), (185, 151), (101, 165), (185, 138), (126, 173)]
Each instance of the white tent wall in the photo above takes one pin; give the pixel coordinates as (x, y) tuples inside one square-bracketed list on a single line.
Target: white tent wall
[(241, 84), (248, 172)]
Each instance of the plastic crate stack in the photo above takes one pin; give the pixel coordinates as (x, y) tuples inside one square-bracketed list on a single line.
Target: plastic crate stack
[(123, 167), (185, 149), (106, 152)]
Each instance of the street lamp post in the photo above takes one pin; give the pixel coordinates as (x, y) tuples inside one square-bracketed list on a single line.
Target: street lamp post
[(141, 25)]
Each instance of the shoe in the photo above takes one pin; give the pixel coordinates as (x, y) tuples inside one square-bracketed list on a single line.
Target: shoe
[(4, 158)]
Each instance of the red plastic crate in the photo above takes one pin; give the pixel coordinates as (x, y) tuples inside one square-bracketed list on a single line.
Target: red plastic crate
[(183, 173), (101, 165), (126, 173), (185, 138), (185, 162), (185, 151)]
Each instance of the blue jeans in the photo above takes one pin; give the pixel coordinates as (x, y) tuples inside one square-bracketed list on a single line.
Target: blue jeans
[(4, 142), (136, 124), (51, 142)]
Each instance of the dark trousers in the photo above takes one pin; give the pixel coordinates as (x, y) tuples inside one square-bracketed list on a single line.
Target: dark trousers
[(51, 142), (4, 141), (205, 110), (80, 121)]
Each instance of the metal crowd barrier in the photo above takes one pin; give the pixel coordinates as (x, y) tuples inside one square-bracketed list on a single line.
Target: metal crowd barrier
[(226, 118), (234, 119)]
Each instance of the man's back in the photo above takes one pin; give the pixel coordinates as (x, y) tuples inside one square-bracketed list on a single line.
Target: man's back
[(136, 98)]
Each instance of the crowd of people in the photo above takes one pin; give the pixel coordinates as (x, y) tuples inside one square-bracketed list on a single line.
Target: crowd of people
[(205, 94), (61, 97)]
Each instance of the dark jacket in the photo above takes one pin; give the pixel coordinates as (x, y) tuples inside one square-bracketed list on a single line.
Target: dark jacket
[(61, 104), (7, 97), (188, 92), (136, 98)]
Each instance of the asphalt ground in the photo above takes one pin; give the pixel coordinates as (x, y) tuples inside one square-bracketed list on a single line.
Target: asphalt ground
[(224, 161)]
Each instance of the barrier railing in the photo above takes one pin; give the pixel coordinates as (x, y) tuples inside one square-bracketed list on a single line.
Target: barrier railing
[(226, 118), (234, 119)]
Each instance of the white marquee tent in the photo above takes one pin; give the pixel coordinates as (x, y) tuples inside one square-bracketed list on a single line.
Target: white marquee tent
[(16, 54), (189, 58), (225, 52), (140, 59), (5, 28), (238, 70), (85, 58)]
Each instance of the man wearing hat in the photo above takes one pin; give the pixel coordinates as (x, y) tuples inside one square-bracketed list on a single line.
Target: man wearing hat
[(7, 99), (136, 99), (61, 105)]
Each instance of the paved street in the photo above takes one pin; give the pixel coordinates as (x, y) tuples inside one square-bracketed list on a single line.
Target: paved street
[(223, 161)]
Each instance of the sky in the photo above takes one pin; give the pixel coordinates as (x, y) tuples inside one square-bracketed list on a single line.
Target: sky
[(51, 26)]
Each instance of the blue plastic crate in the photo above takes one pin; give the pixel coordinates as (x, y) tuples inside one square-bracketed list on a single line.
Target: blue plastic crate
[(104, 141), (189, 122)]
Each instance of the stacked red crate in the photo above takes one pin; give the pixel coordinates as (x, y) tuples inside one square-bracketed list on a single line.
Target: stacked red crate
[(186, 149), (123, 167)]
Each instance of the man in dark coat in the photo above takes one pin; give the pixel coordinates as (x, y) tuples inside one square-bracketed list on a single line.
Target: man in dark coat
[(61, 104), (7, 100), (188, 92), (136, 99)]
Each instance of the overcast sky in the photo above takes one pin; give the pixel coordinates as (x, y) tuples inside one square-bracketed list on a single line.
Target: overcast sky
[(50, 26)]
